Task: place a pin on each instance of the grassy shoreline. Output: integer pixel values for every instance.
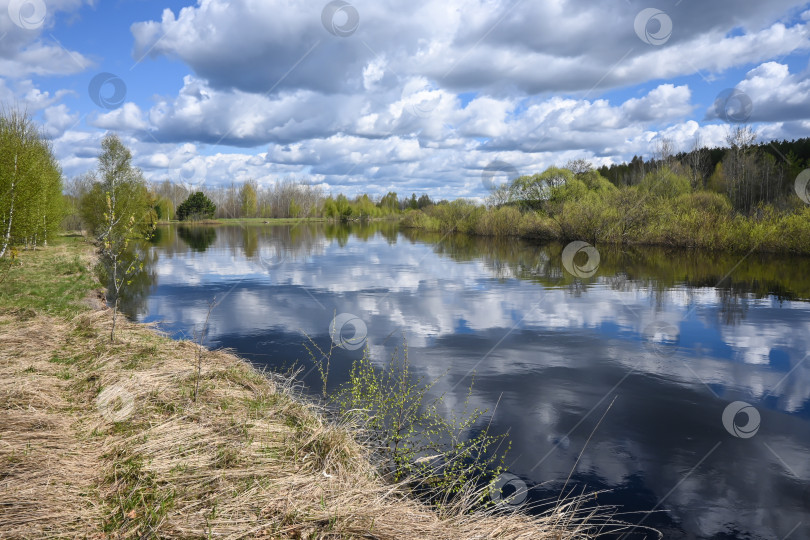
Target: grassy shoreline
(697, 220)
(270, 221)
(105, 440)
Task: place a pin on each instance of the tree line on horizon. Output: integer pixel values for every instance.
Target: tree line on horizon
(286, 198)
(749, 173)
(36, 200)
(739, 198)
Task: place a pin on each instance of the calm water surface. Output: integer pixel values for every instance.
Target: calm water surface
(674, 337)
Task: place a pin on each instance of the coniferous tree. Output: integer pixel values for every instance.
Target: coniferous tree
(196, 207)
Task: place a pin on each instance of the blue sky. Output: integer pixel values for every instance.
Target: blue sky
(404, 96)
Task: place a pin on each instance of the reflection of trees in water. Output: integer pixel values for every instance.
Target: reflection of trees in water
(654, 269)
(198, 238)
(295, 241)
(250, 241)
(362, 230)
(733, 305)
(290, 243)
(136, 290)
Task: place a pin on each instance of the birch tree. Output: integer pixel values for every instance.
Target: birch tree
(118, 210)
(31, 201)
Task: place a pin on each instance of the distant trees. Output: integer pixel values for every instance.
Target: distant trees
(287, 198)
(413, 203)
(31, 205)
(248, 200)
(751, 174)
(196, 207)
(164, 209)
(665, 183)
(554, 186)
(389, 203)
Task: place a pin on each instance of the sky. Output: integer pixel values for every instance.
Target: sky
(423, 96)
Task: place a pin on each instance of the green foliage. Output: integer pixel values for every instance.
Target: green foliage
(457, 216)
(164, 209)
(573, 190)
(249, 201)
(330, 208)
(665, 183)
(31, 201)
(552, 187)
(499, 221)
(344, 208)
(533, 191)
(596, 183)
(118, 210)
(416, 219)
(717, 181)
(196, 207)
(53, 280)
(440, 454)
(389, 203)
(295, 209)
(118, 202)
(661, 210)
(584, 218)
(364, 208)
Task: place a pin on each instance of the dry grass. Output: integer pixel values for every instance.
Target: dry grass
(105, 440)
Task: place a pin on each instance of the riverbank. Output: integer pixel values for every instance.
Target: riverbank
(274, 221)
(247, 221)
(624, 217)
(107, 440)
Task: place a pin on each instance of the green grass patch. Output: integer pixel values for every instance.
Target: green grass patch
(63, 360)
(142, 502)
(53, 279)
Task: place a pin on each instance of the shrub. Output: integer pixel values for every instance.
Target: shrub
(665, 183)
(504, 221)
(457, 216)
(441, 455)
(196, 207)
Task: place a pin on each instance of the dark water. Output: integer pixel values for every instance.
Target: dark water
(672, 338)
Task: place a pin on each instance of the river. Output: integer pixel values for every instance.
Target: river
(703, 356)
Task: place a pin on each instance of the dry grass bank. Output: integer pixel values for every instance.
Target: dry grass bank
(104, 440)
